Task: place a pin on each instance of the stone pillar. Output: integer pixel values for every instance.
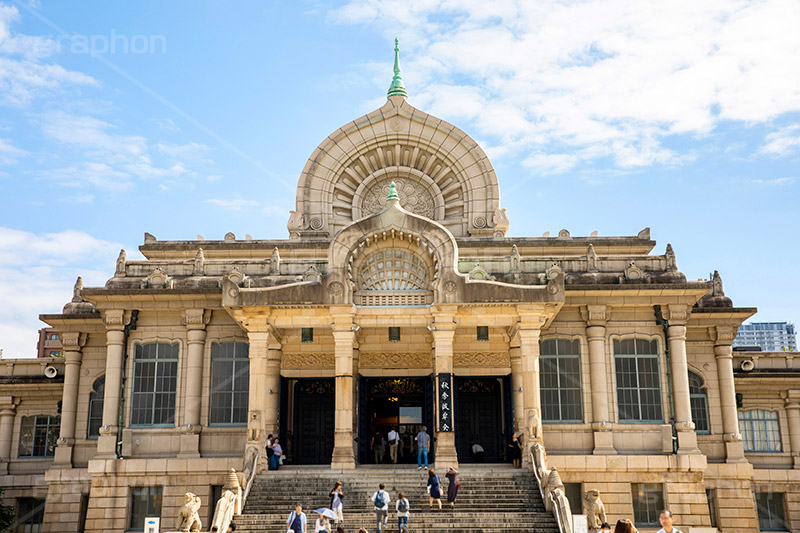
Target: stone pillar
(257, 416)
(273, 385)
(356, 357)
(516, 388)
(195, 321)
(114, 320)
(344, 337)
(792, 405)
(72, 343)
(734, 448)
(677, 315)
(531, 397)
(596, 317)
(443, 334)
(8, 410)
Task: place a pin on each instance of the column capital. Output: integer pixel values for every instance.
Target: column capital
(676, 332)
(595, 315)
(196, 318)
(677, 314)
(791, 399)
(722, 335)
(116, 319)
(73, 341)
(8, 404)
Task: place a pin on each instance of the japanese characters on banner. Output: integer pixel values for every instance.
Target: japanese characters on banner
(445, 402)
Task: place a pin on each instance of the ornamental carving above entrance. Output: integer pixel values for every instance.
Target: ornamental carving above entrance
(413, 197)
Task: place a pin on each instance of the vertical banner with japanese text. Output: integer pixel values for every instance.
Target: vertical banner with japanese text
(445, 402)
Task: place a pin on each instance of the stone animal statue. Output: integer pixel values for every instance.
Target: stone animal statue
(594, 509)
(188, 516)
(564, 511)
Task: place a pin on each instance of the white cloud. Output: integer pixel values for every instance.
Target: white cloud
(233, 204)
(23, 74)
(550, 163)
(602, 78)
(782, 142)
(37, 272)
(9, 153)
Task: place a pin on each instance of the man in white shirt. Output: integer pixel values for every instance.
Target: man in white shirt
(394, 440)
(666, 522)
(381, 502)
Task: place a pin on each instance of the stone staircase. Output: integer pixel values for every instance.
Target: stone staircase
(492, 498)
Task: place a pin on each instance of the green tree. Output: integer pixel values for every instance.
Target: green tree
(7, 514)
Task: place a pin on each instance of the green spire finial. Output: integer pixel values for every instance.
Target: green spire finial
(392, 193)
(397, 88)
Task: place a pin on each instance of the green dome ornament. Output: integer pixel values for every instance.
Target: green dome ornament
(392, 193)
(397, 88)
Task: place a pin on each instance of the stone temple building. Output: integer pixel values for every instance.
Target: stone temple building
(400, 299)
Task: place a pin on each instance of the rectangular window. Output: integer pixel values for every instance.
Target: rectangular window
(648, 501)
(560, 380)
(574, 495)
(230, 383)
(30, 515)
(155, 380)
(145, 501)
(771, 511)
(307, 335)
(483, 333)
(711, 497)
(760, 430)
(394, 334)
(38, 435)
(638, 380)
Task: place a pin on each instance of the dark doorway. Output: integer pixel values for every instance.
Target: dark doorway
(386, 403)
(479, 419)
(313, 421)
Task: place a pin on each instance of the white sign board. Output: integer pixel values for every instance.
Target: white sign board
(580, 524)
(152, 524)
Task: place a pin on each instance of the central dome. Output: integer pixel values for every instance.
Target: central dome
(440, 172)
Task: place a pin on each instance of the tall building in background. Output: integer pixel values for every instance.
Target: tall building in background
(768, 336)
(49, 344)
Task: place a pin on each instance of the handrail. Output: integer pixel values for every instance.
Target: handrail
(550, 496)
(250, 481)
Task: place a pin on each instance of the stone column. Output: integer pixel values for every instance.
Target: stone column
(443, 333)
(723, 338)
(516, 388)
(344, 337)
(72, 343)
(114, 320)
(679, 367)
(257, 416)
(531, 397)
(356, 357)
(792, 405)
(8, 410)
(596, 317)
(195, 321)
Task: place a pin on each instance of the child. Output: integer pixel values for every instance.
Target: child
(402, 512)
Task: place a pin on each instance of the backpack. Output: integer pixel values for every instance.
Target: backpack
(402, 505)
(380, 501)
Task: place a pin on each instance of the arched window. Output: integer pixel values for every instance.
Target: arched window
(560, 380)
(638, 380)
(155, 380)
(393, 275)
(96, 408)
(699, 402)
(760, 429)
(230, 383)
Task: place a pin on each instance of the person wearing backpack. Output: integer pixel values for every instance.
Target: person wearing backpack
(381, 502)
(402, 512)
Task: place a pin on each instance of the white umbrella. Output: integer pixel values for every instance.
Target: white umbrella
(324, 511)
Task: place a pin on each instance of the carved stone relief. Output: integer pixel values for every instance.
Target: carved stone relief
(307, 360)
(481, 359)
(395, 360)
(413, 197)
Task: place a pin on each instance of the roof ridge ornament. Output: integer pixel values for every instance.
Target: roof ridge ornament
(392, 193)
(397, 88)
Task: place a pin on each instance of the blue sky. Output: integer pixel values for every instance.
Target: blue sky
(184, 118)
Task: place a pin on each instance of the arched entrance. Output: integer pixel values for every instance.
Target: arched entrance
(479, 419)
